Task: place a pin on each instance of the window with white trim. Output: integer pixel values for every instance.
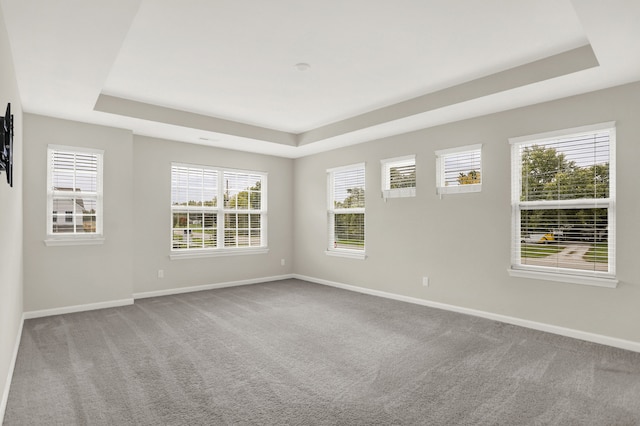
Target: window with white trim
(217, 210)
(399, 177)
(74, 194)
(563, 205)
(346, 210)
(459, 169)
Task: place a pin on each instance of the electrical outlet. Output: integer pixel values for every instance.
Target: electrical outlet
(425, 281)
(281, 262)
(160, 273)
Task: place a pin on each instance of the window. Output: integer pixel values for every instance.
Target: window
(217, 211)
(459, 170)
(563, 205)
(74, 195)
(399, 177)
(346, 211)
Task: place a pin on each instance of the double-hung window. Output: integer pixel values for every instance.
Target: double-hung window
(74, 195)
(459, 169)
(346, 211)
(563, 205)
(217, 211)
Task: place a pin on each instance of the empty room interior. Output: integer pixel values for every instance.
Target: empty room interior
(319, 212)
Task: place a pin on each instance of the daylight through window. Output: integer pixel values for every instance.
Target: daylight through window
(74, 192)
(399, 177)
(346, 210)
(563, 202)
(216, 209)
(459, 169)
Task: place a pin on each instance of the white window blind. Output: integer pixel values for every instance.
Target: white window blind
(399, 177)
(243, 219)
(194, 198)
(563, 202)
(74, 192)
(346, 213)
(217, 209)
(459, 169)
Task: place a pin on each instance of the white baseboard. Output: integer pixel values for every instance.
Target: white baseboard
(77, 308)
(180, 290)
(124, 302)
(568, 332)
(12, 365)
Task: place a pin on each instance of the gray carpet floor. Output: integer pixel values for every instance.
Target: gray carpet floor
(291, 352)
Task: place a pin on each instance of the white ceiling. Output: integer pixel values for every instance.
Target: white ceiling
(222, 73)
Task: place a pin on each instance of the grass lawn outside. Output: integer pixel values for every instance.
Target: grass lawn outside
(539, 250)
(598, 252)
(352, 244)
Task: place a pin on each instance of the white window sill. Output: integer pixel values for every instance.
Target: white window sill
(351, 254)
(196, 254)
(398, 193)
(459, 189)
(608, 282)
(76, 241)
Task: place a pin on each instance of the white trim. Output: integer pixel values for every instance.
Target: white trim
(220, 210)
(143, 295)
(350, 254)
(191, 254)
(398, 159)
(578, 203)
(75, 241)
(517, 269)
(69, 148)
(442, 152)
(99, 194)
(217, 168)
(385, 182)
(332, 211)
(613, 184)
(399, 192)
(181, 290)
(441, 188)
(78, 308)
(555, 134)
(348, 210)
(348, 167)
(608, 282)
(459, 189)
(12, 365)
(534, 325)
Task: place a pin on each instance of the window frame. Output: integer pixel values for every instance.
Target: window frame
(331, 212)
(86, 238)
(594, 278)
(386, 165)
(220, 210)
(441, 156)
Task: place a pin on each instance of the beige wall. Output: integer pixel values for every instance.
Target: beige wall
(462, 241)
(137, 220)
(152, 219)
(10, 222)
(64, 276)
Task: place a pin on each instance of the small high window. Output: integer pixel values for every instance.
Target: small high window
(459, 170)
(399, 177)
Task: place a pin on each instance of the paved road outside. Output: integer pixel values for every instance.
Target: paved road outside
(570, 257)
